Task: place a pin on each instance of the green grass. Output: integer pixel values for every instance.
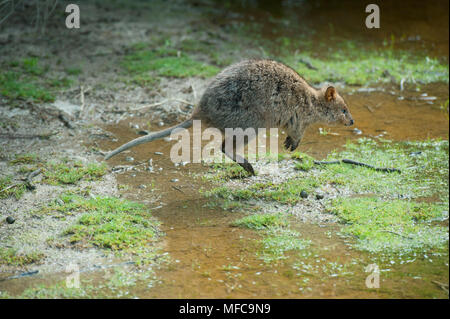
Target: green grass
(164, 61)
(15, 86)
(70, 173)
(304, 161)
(28, 79)
(286, 193)
(74, 71)
(369, 68)
(261, 221)
(392, 226)
(424, 168)
(10, 257)
(20, 159)
(277, 239)
(352, 62)
(109, 223)
(7, 191)
(226, 171)
(383, 223)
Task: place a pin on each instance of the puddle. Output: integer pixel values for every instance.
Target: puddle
(412, 27)
(212, 259)
(209, 258)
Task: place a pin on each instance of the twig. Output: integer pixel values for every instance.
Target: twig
(17, 136)
(308, 64)
(177, 188)
(369, 108)
(441, 285)
(162, 102)
(24, 274)
(395, 233)
(81, 101)
(27, 181)
(349, 161)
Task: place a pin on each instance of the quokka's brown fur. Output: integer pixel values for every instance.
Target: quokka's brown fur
(260, 94)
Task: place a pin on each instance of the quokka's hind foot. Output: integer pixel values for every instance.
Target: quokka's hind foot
(289, 144)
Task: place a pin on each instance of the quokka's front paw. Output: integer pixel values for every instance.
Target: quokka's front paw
(289, 144)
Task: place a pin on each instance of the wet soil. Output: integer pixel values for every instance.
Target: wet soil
(209, 257)
(212, 258)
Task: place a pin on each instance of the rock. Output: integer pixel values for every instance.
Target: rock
(174, 180)
(142, 186)
(319, 196)
(67, 107)
(158, 153)
(143, 132)
(10, 220)
(129, 159)
(357, 131)
(160, 123)
(303, 194)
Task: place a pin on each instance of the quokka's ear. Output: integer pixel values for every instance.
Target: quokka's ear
(330, 94)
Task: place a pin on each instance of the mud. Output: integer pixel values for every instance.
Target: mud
(209, 257)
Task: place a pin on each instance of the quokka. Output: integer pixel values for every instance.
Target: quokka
(260, 94)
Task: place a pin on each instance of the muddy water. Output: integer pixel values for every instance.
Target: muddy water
(210, 258)
(393, 115)
(411, 25)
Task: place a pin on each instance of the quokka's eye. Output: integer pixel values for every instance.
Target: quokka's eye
(344, 111)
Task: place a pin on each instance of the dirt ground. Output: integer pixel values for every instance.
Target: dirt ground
(100, 109)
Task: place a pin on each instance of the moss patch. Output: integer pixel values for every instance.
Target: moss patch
(24, 159)
(109, 223)
(287, 192)
(261, 221)
(8, 188)
(165, 61)
(385, 219)
(391, 226)
(424, 168)
(11, 258)
(277, 239)
(69, 173)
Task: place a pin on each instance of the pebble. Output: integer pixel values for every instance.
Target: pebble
(303, 194)
(159, 153)
(142, 186)
(357, 131)
(129, 159)
(161, 123)
(10, 220)
(174, 180)
(319, 196)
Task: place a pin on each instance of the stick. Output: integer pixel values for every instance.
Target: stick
(81, 101)
(395, 233)
(349, 161)
(17, 136)
(26, 182)
(162, 102)
(369, 108)
(308, 64)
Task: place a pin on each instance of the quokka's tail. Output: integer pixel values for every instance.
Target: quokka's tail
(148, 138)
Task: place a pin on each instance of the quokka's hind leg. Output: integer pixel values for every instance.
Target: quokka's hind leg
(236, 157)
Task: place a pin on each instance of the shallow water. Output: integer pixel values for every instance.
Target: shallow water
(212, 259)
